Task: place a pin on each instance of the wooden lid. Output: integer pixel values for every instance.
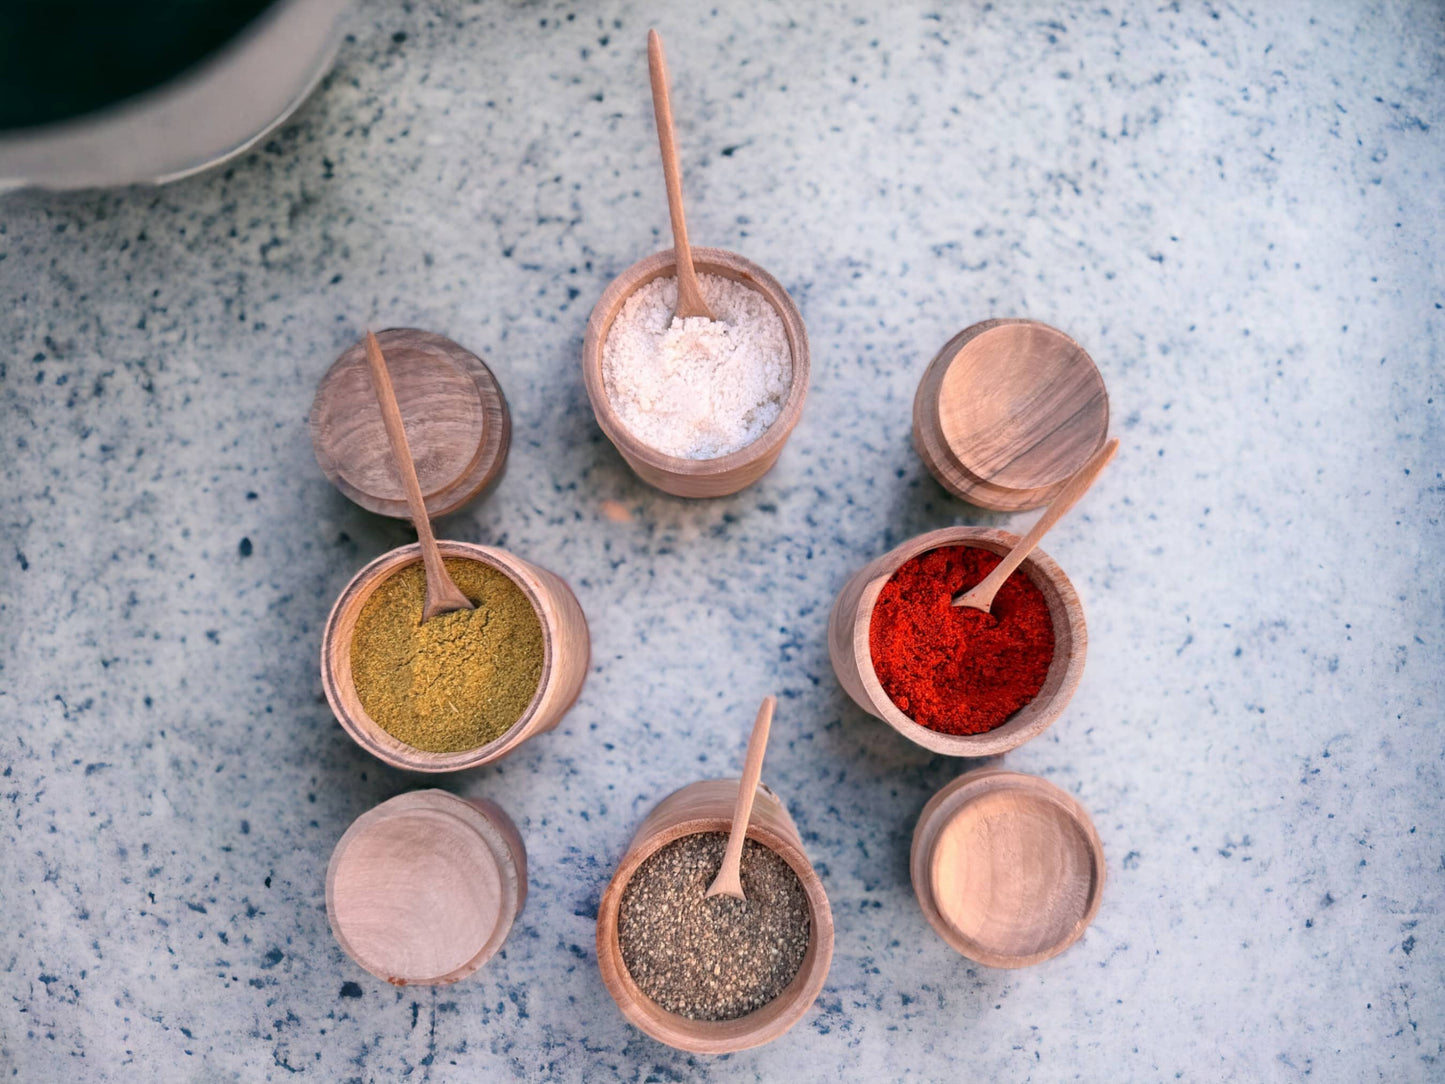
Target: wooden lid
(423, 888)
(1008, 868)
(1021, 405)
(455, 416)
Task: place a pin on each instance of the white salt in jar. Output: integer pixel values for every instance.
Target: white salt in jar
(698, 408)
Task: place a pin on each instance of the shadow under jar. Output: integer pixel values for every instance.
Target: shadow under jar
(850, 650)
(707, 806)
(566, 652)
(679, 476)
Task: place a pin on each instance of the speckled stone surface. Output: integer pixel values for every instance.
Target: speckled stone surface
(1236, 210)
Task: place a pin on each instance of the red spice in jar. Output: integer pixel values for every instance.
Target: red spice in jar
(951, 668)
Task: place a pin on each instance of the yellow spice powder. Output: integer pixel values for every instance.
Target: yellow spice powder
(461, 679)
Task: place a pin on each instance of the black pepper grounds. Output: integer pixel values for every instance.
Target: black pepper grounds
(719, 958)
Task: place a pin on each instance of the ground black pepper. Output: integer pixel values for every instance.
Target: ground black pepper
(719, 958)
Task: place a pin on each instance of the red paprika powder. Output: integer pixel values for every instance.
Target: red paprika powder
(951, 668)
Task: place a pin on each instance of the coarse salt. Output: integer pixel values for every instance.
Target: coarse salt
(697, 388)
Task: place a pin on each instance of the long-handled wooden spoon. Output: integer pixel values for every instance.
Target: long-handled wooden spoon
(729, 879)
(689, 292)
(981, 597)
(442, 594)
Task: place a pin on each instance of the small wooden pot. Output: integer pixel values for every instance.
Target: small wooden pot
(1007, 867)
(423, 889)
(673, 474)
(1007, 412)
(852, 658)
(566, 649)
(456, 419)
(707, 806)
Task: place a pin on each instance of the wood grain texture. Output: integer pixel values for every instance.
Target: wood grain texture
(707, 806)
(566, 655)
(456, 418)
(1007, 867)
(852, 616)
(424, 888)
(1007, 412)
(690, 301)
(673, 474)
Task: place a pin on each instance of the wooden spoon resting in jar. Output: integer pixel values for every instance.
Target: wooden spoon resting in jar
(689, 291)
(729, 879)
(981, 597)
(442, 594)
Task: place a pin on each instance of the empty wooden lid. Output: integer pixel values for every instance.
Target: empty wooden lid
(456, 421)
(423, 889)
(1008, 411)
(1007, 867)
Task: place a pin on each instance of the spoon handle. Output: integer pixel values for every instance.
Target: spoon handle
(981, 597)
(729, 879)
(442, 595)
(690, 301)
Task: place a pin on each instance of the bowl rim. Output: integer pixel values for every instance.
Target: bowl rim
(340, 690)
(713, 261)
(1070, 646)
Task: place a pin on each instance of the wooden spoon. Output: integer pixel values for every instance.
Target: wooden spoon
(729, 879)
(981, 597)
(442, 595)
(689, 292)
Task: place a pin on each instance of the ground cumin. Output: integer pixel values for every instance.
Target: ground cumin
(461, 679)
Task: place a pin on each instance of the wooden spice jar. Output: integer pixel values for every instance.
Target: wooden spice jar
(849, 649)
(674, 474)
(707, 806)
(1007, 412)
(423, 889)
(1007, 867)
(566, 648)
(456, 419)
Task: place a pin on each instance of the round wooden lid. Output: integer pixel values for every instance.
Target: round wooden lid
(1015, 868)
(1022, 406)
(456, 419)
(421, 889)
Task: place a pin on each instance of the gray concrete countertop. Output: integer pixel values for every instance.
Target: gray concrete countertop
(1236, 210)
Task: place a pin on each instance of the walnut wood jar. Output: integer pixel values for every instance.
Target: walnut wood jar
(707, 806)
(674, 474)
